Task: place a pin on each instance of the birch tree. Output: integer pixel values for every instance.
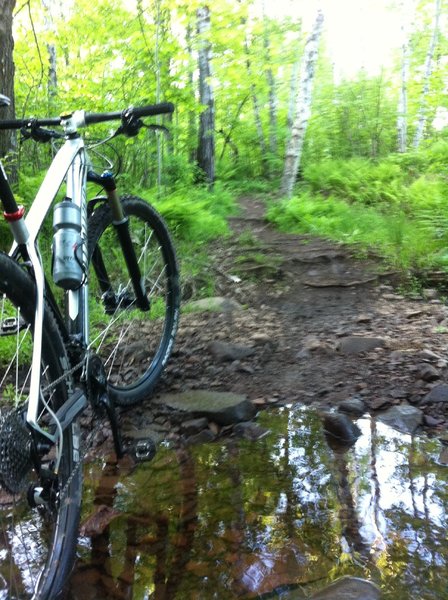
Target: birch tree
(206, 142)
(52, 83)
(402, 118)
(303, 108)
(7, 139)
(422, 111)
(255, 102)
(271, 85)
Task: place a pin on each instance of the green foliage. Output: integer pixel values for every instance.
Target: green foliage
(403, 241)
(195, 214)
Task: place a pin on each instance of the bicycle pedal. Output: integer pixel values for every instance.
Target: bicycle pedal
(143, 450)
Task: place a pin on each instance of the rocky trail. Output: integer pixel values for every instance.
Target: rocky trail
(302, 320)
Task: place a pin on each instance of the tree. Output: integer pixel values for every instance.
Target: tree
(402, 119)
(303, 111)
(7, 138)
(422, 116)
(206, 142)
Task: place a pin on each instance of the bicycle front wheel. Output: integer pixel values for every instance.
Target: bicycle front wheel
(37, 539)
(134, 345)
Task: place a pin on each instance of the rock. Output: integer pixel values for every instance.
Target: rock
(398, 393)
(427, 354)
(353, 406)
(250, 431)
(356, 344)
(349, 588)
(340, 427)
(192, 426)
(223, 408)
(223, 351)
(259, 338)
(432, 421)
(147, 432)
(202, 437)
(443, 456)
(363, 318)
(404, 418)
(214, 304)
(439, 393)
(427, 372)
(430, 293)
(379, 402)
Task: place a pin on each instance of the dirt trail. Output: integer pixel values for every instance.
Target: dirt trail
(318, 327)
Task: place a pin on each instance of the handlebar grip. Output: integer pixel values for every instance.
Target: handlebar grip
(12, 123)
(153, 109)
(19, 123)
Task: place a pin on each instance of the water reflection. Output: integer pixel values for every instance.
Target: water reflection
(241, 519)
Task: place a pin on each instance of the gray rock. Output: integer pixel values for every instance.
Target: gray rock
(154, 434)
(428, 372)
(404, 418)
(223, 351)
(202, 437)
(349, 588)
(355, 344)
(250, 431)
(192, 426)
(353, 406)
(439, 393)
(340, 428)
(223, 408)
(214, 304)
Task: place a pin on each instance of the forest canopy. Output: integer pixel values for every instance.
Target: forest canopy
(259, 93)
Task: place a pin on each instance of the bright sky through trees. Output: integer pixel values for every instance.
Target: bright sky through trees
(357, 33)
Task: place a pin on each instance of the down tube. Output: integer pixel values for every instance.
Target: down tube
(77, 305)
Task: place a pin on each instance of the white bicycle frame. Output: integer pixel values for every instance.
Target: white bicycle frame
(70, 165)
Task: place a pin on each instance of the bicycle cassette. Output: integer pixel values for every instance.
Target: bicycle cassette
(15, 451)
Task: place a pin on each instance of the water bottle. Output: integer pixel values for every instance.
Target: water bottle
(67, 267)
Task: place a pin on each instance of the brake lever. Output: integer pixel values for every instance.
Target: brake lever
(130, 125)
(38, 134)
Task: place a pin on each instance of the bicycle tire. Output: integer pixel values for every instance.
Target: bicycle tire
(37, 545)
(133, 365)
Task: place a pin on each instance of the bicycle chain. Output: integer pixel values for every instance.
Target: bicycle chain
(80, 463)
(91, 435)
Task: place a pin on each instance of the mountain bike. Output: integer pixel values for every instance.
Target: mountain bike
(93, 326)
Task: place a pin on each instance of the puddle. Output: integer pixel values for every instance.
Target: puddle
(278, 518)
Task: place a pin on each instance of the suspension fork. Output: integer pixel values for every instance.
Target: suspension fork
(121, 224)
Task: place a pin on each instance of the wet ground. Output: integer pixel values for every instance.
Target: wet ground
(278, 517)
(283, 515)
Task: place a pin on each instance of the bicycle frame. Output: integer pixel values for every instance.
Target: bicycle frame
(70, 164)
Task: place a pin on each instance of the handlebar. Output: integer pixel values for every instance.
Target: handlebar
(91, 118)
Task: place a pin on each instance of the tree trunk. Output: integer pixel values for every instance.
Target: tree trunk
(7, 138)
(303, 110)
(271, 86)
(402, 120)
(52, 81)
(293, 94)
(206, 145)
(422, 116)
(192, 121)
(256, 105)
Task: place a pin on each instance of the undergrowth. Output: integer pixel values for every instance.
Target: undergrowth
(397, 206)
